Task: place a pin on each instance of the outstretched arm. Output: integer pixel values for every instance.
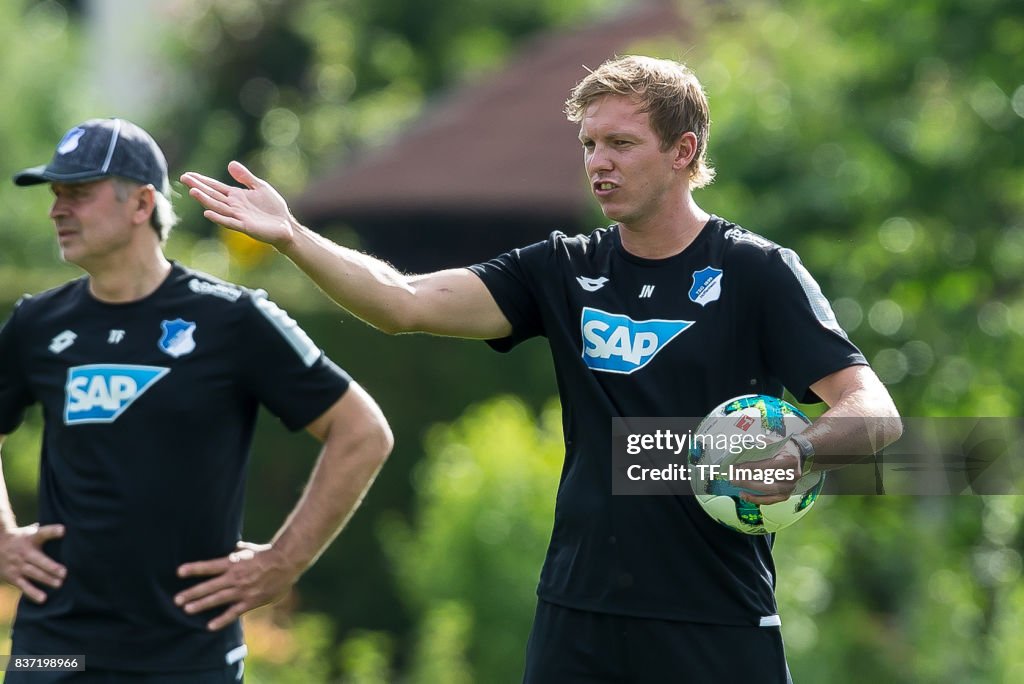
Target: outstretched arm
(356, 441)
(453, 302)
(22, 561)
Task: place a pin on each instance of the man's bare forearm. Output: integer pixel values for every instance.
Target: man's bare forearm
(351, 457)
(453, 302)
(7, 520)
(366, 287)
(861, 423)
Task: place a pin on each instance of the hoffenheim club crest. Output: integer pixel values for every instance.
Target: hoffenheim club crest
(707, 286)
(69, 142)
(177, 339)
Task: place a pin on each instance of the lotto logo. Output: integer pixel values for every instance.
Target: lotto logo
(617, 344)
(101, 393)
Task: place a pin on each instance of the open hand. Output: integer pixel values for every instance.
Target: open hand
(23, 563)
(257, 209)
(251, 576)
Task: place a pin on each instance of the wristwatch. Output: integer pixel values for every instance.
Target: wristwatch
(806, 449)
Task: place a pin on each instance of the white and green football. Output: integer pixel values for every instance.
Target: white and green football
(750, 419)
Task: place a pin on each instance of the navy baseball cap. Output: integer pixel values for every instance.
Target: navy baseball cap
(99, 148)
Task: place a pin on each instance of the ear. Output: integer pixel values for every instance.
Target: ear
(685, 150)
(144, 203)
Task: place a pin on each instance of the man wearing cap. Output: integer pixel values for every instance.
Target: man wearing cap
(150, 375)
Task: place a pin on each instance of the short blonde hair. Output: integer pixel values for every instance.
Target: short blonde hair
(666, 90)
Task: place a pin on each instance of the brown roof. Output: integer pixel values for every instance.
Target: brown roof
(497, 146)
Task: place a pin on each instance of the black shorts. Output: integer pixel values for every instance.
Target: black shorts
(228, 674)
(569, 646)
(223, 675)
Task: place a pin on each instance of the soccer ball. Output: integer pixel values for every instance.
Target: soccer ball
(748, 428)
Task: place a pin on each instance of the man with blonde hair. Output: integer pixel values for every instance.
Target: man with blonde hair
(667, 312)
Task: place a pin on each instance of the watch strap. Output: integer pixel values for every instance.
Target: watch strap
(804, 447)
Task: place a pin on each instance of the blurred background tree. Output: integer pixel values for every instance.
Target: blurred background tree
(485, 492)
(39, 41)
(881, 140)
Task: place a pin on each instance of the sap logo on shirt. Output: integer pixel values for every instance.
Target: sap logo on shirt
(617, 344)
(100, 393)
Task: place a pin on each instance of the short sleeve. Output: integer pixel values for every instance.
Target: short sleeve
(802, 340)
(15, 395)
(284, 369)
(512, 280)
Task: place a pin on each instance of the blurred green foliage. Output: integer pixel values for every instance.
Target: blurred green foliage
(880, 139)
(883, 141)
(292, 86)
(38, 42)
(484, 496)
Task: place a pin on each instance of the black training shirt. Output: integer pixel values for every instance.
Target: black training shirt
(732, 314)
(149, 408)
